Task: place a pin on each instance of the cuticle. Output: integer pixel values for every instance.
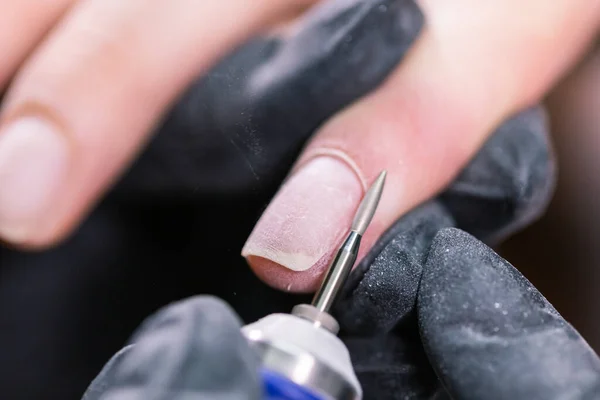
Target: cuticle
(339, 155)
(35, 109)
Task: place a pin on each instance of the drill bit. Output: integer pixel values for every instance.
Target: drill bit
(346, 256)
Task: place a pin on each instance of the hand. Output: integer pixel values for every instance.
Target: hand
(431, 313)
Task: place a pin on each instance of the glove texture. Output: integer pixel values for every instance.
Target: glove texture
(490, 334)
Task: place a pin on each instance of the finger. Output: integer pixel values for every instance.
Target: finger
(24, 23)
(81, 108)
(422, 125)
(510, 181)
(369, 24)
(490, 334)
(194, 348)
(271, 95)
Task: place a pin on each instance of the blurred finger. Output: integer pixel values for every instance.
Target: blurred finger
(84, 104)
(24, 23)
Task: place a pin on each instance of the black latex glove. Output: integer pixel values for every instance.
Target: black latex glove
(432, 313)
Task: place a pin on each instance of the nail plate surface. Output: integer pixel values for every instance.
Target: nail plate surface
(308, 217)
(33, 163)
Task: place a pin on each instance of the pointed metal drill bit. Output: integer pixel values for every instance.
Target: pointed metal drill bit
(345, 258)
(368, 205)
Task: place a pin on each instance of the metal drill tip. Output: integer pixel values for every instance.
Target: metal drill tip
(346, 256)
(367, 207)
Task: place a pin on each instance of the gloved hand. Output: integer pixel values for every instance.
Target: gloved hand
(435, 313)
(432, 313)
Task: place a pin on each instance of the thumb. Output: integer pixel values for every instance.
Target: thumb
(475, 64)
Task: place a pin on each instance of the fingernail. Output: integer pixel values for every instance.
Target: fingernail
(308, 217)
(33, 162)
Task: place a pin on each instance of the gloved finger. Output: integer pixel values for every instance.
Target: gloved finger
(490, 334)
(509, 182)
(239, 129)
(422, 126)
(192, 349)
(84, 103)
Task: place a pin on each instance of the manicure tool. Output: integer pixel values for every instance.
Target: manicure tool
(302, 356)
